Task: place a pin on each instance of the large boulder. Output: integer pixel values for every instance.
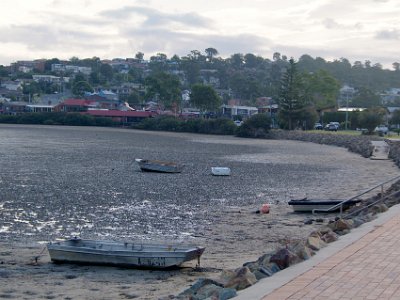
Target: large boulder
(301, 250)
(284, 258)
(341, 224)
(191, 292)
(315, 243)
(212, 291)
(238, 279)
(329, 237)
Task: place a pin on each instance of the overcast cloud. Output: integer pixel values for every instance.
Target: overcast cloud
(357, 30)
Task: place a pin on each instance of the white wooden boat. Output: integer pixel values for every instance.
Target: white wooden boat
(127, 254)
(308, 205)
(220, 171)
(147, 165)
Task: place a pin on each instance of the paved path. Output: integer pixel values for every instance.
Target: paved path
(364, 264)
(381, 150)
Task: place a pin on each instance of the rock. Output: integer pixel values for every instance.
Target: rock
(260, 275)
(357, 221)
(239, 279)
(197, 286)
(302, 250)
(330, 237)
(269, 269)
(342, 224)
(253, 266)
(308, 221)
(284, 258)
(215, 292)
(225, 294)
(379, 208)
(315, 243)
(264, 259)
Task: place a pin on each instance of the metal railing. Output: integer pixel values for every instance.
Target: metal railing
(341, 204)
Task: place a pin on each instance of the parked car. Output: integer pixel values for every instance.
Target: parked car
(318, 126)
(238, 122)
(332, 126)
(382, 129)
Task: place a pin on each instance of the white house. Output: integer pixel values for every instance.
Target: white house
(236, 110)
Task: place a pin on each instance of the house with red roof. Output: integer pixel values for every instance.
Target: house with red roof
(75, 105)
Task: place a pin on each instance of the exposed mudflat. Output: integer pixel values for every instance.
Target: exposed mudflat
(62, 181)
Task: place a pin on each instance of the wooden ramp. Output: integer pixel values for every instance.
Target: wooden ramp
(381, 150)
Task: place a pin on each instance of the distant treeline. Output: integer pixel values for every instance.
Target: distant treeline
(240, 76)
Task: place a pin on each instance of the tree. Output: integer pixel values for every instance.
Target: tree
(251, 60)
(366, 98)
(322, 89)
(237, 60)
(204, 97)
(211, 52)
(107, 72)
(395, 119)
(134, 99)
(80, 87)
(3, 71)
(49, 62)
(292, 98)
(139, 55)
(165, 88)
(276, 56)
(370, 118)
(257, 125)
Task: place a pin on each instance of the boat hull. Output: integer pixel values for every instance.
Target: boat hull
(121, 254)
(158, 166)
(220, 171)
(310, 205)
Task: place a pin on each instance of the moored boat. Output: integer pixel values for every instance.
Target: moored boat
(220, 171)
(126, 254)
(147, 165)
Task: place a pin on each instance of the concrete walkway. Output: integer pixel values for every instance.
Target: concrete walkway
(381, 150)
(364, 264)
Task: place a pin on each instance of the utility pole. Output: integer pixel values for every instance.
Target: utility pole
(347, 110)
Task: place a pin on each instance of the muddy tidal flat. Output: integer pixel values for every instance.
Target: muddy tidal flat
(58, 181)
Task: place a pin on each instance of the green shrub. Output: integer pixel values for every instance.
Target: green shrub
(56, 118)
(208, 126)
(256, 126)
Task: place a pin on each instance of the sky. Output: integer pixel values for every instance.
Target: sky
(358, 30)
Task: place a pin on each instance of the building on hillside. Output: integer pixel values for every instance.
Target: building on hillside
(75, 105)
(14, 107)
(122, 117)
(12, 85)
(104, 99)
(391, 96)
(28, 65)
(50, 79)
(12, 95)
(61, 68)
(39, 108)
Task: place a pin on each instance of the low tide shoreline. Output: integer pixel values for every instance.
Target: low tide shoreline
(47, 169)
